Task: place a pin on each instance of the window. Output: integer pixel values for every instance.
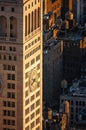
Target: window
(26, 93)
(4, 57)
(38, 57)
(37, 111)
(11, 76)
(27, 102)
(32, 116)
(4, 112)
(26, 111)
(9, 67)
(4, 48)
(4, 103)
(32, 98)
(38, 93)
(38, 128)
(13, 86)
(10, 58)
(32, 124)
(10, 95)
(27, 128)
(13, 122)
(12, 10)
(37, 103)
(2, 8)
(37, 120)
(13, 104)
(27, 120)
(14, 58)
(0, 47)
(11, 27)
(13, 68)
(4, 121)
(10, 86)
(32, 106)
(32, 61)
(38, 66)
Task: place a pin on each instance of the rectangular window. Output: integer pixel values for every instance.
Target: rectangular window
(32, 97)
(12, 10)
(0, 47)
(9, 67)
(32, 107)
(2, 8)
(37, 120)
(13, 76)
(32, 116)
(27, 102)
(37, 103)
(13, 68)
(4, 103)
(37, 111)
(38, 58)
(27, 120)
(26, 111)
(32, 124)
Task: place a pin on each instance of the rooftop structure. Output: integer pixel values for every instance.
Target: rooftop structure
(76, 96)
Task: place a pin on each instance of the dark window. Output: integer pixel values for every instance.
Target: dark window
(13, 104)
(4, 121)
(13, 76)
(12, 9)
(13, 68)
(4, 103)
(8, 95)
(4, 57)
(0, 47)
(9, 76)
(13, 95)
(11, 26)
(2, 8)
(10, 58)
(4, 112)
(13, 86)
(9, 85)
(4, 47)
(9, 67)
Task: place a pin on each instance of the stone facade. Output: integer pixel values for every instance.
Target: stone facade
(20, 58)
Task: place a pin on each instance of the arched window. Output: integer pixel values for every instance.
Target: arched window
(13, 27)
(3, 26)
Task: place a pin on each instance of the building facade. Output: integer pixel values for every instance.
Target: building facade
(76, 97)
(66, 6)
(52, 71)
(53, 6)
(20, 65)
(79, 9)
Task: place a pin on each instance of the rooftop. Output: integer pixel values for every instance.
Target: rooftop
(78, 88)
(75, 34)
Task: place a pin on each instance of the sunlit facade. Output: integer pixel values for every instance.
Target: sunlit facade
(20, 65)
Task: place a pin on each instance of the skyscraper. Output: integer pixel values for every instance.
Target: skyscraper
(20, 65)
